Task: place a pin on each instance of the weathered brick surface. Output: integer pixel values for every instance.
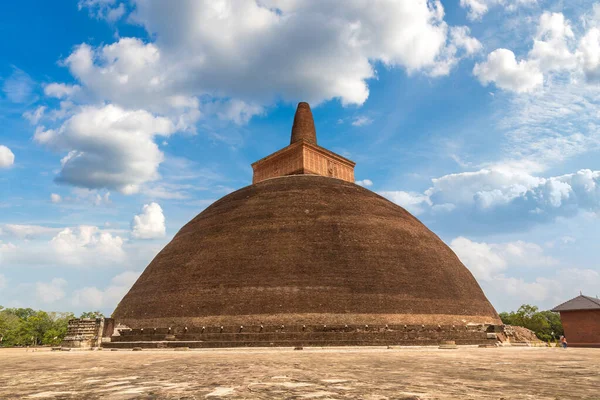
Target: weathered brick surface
(230, 336)
(581, 327)
(304, 250)
(303, 158)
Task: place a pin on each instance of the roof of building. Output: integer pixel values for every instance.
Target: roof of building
(580, 302)
(305, 249)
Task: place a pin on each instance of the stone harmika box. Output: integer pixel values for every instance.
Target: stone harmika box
(303, 158)
(303, 155)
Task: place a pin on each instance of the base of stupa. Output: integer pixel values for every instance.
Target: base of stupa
(303, 335)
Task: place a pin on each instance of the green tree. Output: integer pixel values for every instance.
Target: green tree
(24, 327)
(92, 314)
(545, 324)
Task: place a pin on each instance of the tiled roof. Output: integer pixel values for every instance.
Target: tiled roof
(580, 302)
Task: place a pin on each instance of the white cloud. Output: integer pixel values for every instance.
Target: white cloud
(248, 55)
(460, 45)
(489, 188)
(7, 158)
(18, 87)
(478, 8)
(553, 53)
(55, 198)
(364, 182)
(92, 196)
(551, 43)
(492, 264)
(506, 197)
(80, 247)
(108, 147)
(502, 68)
(28, 231)
(238, 111)
(486, 261)
(415, 203)
(60, 90)
(108, 298)
(362, 121)
(87, 245)
(483, 262)
(52, 291)
(150, 224)
(589, 47)
(108, 10)
(34, 116)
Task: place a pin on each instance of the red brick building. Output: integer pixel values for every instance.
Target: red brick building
(581, 321)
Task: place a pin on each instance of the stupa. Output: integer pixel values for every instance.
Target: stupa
(304, 256)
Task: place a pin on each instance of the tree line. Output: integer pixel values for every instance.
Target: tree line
(28, 327)
(545, 324)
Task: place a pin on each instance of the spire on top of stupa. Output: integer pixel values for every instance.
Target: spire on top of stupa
(303, 156)
(304, 125)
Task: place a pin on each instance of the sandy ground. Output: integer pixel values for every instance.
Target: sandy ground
(346, 373)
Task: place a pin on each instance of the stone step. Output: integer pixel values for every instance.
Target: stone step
(280, 343)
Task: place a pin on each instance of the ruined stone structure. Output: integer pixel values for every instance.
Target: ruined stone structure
(580, 317)
(304, 256)
(87, 333)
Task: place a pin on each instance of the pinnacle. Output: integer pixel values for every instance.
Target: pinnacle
(304, 125)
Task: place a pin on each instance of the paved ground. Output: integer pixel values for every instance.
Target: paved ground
(361, 373)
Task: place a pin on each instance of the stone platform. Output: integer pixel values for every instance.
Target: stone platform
(302, 335)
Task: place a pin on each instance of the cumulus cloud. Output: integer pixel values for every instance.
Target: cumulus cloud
(7, 158)
(108, 298)
(60, 90)
(108, 10)
(55, 198)
(490, 188)
(555, 51)
(150, 224)
(364, 182)
(478, 8)
(502, 68)
(28, 231)
(486, 261)
(87, 244)
(251, 54)
(82, 246)
(108, 147)
(550, 49)
(506, 198)
(480, 258)
(415, 203)
(589, 47)
(491, 264)
(79, 247)
(50, 292)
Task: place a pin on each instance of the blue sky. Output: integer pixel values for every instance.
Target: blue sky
(123, 120)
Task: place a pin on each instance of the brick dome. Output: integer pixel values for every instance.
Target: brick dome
(304, 249)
